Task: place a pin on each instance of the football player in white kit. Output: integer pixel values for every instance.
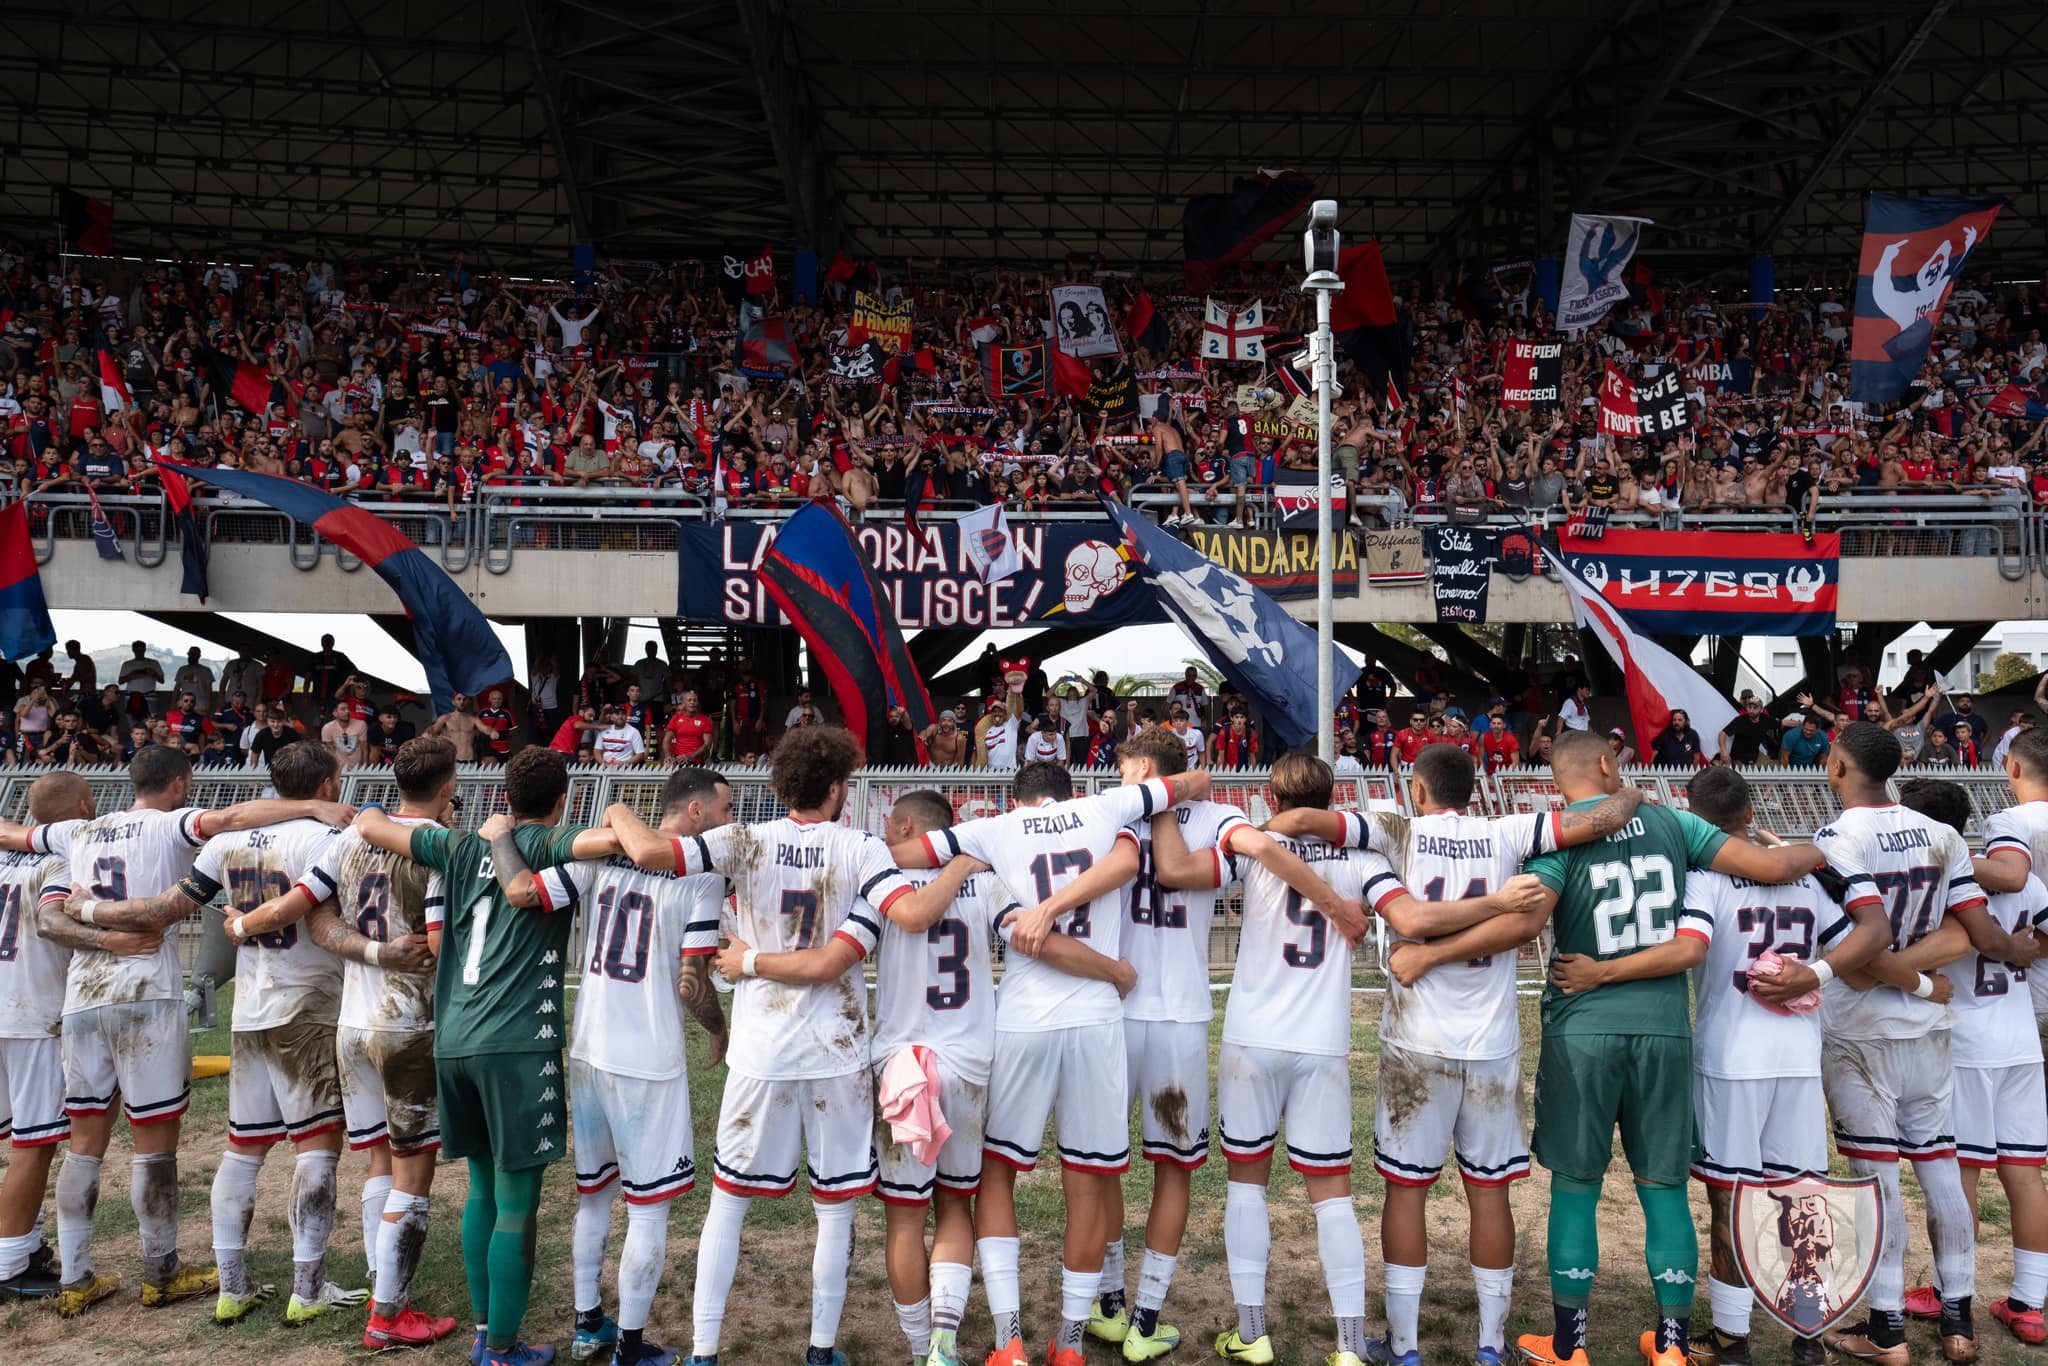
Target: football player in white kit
(2001, 1103)
(2016, 839)
(1059, 1047)
(125, 1029)
(629, 1090)
(1169, 894)
(797, 1051)
(384, 1045)
(283, 1082)
(36, 940)
(1886, 1059)
(1450, 1035)
(933, 991)
(1756, 1069)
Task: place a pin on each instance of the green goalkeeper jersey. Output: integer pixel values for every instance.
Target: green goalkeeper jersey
(498, 984)
(1618, 896)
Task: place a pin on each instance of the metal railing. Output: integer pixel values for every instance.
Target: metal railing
(503, 520)
(1789, 802)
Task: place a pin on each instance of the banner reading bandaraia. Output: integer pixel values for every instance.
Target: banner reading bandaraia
(1283, 566)
(1070, 574)
(1713, 583)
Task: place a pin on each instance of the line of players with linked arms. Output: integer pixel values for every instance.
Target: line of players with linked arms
(426, 967)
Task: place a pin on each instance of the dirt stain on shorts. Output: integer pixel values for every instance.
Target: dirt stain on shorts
(1404, 1087)
(1170, 1108)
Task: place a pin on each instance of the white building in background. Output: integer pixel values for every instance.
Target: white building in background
(1774, 660)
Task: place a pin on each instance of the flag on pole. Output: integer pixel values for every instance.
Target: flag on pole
(113, 389)
(25, 627)
(453, 640)
(1596, 253)
(1233, 333)
(191, 544)
(1913, 252)
(1658, 682)
(104, 538)
(88, 223)
(1266, 654)
(229, 378)
(816, 574)
(985, 535)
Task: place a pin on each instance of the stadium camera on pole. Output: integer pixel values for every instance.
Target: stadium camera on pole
(1319, 257)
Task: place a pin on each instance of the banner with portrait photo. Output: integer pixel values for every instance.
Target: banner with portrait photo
(1081, 325)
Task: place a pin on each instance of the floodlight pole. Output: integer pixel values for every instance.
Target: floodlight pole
(1322, 348)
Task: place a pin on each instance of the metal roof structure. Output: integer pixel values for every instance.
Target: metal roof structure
(1453, 132)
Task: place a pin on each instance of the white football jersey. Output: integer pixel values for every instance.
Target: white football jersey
(31, 967)
(282, 976)
(637, 927)
(1166, 929)
(1461, 1010)
(1734, 1036)
(2024, 826)
(1291, 989)
(1045, 748)
(935, 988)
(1035, 851)
(1994, 1011)
(1918, 870)
(1001, 740)
(382, 897)
(129, 854)
(798, 885)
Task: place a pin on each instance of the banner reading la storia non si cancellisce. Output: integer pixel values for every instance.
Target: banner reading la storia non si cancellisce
(1073, 574)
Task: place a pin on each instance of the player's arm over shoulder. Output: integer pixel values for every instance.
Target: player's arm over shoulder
(1708, 847)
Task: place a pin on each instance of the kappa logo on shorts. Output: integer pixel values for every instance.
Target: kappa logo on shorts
(546, 1007)
(549, 1070)
(1809, 1246)
(550, 958)
(547, 983)
(547, 1121)
(546, 1031)
(544, 1146)
(548, 1094)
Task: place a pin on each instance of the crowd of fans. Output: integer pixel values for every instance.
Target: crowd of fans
(652, 711)
(430, 383)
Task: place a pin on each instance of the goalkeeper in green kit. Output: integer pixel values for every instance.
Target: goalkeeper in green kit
(1617, 1040)
(499, 1028)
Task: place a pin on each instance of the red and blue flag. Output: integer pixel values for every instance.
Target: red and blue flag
(1700, 583)
(455, 643)
(1914, 250)
(25, 627)
(817, 575)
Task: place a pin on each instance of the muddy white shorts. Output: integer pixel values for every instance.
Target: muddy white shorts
(283, 1083)
(1167, 1067)
(139, 1050)
(1890, 1098)
(1078, 1078)
(765, 1127)
(635, 1130)
(1758, 1128)
(907, 1181)
(1260, 1090)
(2001, 1116)
(1470, 1107)
(387, 1088)
(32, 1092)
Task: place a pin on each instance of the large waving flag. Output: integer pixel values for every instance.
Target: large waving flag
(113, 389)
(816, 574)
(230, 378)
(1913, 251)
(1265, 653)
(25, 627)
(1659, 682)
(455, 644)
(1596, 256)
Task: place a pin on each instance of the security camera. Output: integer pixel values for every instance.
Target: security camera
(1319, 243)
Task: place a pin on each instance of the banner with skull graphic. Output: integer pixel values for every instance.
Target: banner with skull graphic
(1067, 574)
(1713, 583)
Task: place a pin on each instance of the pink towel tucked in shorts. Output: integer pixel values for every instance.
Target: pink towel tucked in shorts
(909, 1100)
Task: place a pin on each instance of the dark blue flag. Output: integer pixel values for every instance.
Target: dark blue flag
(104, 538)
(1265, 653)
(1913, 252)
(456, 645)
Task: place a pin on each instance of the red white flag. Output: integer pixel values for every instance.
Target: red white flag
(1659, 682)
(1618, 415)
(113, 389)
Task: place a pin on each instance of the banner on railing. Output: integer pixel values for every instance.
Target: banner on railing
(1070, 574)
(1713, 583)
(1281, 564)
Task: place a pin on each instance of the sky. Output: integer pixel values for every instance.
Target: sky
(1134, 649)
